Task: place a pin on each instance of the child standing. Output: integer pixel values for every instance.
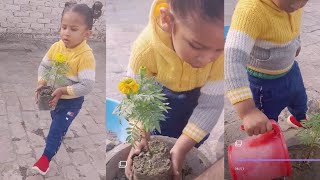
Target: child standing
(182, 47)
(261, 74)
(76, 25)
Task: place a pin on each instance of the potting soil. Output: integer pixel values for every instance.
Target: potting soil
(304, 171)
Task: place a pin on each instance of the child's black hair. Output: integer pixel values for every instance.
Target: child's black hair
(90, 14)
(206, 9)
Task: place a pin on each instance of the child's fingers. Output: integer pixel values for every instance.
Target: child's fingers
(131, 177)
(53, 102)
(140, 145)
(54, 94)
(249, 132)
(256, 131)
(175, 170)
(269, 126)
(263, 129)
(128, 168)
(36, 98)
(38, 88)
(137, 151)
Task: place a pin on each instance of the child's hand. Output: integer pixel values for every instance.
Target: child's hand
(256, 122)
(178, 154)
(56, 96)
(134, 152)
(37, 91)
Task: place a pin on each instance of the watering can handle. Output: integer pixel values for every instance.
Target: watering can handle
(275, 127)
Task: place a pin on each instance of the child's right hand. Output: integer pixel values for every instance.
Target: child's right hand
(134, 152)
(37, 92)
(256, 122)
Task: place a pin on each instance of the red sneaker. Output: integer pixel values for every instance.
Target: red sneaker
(293, 122)
(42, 165)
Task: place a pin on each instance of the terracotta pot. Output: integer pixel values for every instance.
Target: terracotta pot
(195, 159)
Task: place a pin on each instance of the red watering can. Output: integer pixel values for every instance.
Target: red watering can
(262, 157)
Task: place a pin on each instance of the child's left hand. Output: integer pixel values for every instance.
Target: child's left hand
(56, 96)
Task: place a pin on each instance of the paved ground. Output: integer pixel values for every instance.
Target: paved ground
(125, 20)
(309, 64)
(23, 128)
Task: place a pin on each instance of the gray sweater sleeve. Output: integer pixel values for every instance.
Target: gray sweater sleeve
(43, 68)
(86, 76)
(207, 112)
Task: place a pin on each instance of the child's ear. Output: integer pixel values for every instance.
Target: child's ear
(87, 34)
(166, 19)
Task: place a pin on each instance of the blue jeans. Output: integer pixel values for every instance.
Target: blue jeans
(182, 105)
(62, 117)
(271, 96)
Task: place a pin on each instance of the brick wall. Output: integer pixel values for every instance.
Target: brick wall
(40, 19)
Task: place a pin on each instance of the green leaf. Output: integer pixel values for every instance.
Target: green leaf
(157, 127)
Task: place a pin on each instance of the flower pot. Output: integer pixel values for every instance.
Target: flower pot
(153, 164)
(195, 160)
(44, 97)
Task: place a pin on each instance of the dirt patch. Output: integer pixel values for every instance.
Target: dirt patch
(23, 172)
(70, 150)
(15, 139)
(74, 133)
(186, 171)
(39, 132)
(153, 164)
(304, 170)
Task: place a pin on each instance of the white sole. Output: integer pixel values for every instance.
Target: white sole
(290, 123)
(39, 171)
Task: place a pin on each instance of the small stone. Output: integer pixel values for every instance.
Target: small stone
(109, 145)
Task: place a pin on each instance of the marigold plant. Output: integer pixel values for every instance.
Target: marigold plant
(143, 105)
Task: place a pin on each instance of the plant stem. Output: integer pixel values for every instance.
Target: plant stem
(149, 149)
(310, 151)
(55, 77)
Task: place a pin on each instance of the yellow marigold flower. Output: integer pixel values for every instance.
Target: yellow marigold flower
(60, 58)
(128, 86)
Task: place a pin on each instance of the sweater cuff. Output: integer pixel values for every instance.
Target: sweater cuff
(70, 91)
(240, 94)
(194, 132)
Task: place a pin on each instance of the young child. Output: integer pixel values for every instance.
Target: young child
(261, 74)
(182, 47)
(76, 25)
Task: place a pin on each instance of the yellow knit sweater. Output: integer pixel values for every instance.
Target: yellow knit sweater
(263, 41)
(80, 77)
(153, 49)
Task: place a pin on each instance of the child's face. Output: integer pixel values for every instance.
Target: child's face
(196, 41)
(73, 29)
(290, 5)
